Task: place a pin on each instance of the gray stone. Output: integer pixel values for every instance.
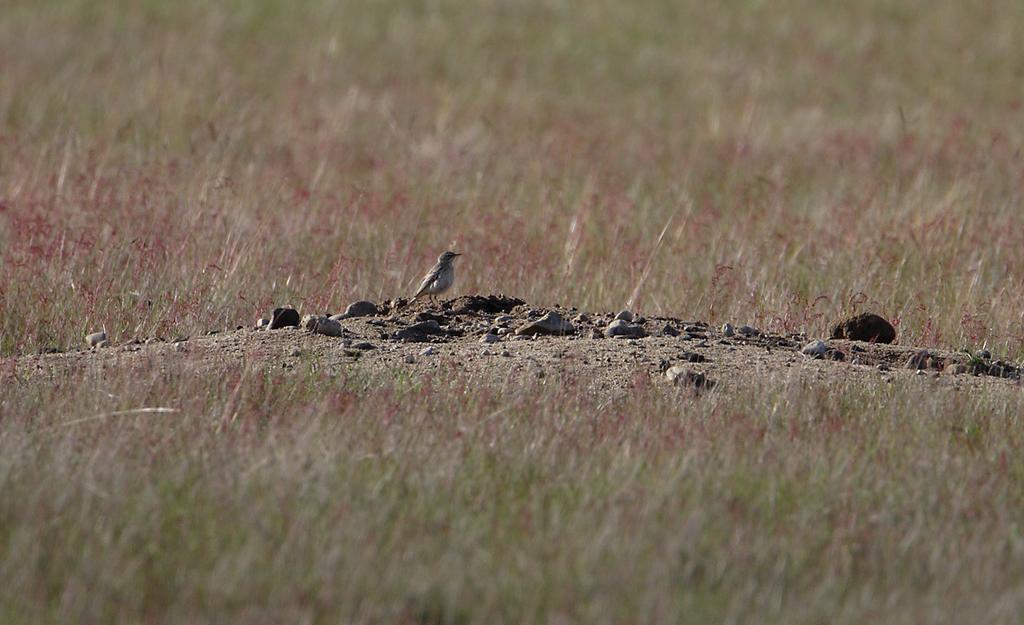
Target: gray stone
(551, 323)
(410, 359)
(748, 331)
(420, 332)
(670, 330)
(581, 318)
(427, 351)
(620, 327)
(319, 324)
(361, 308)
(816, 349)
(364, 345)
(728, 330)
(94, 339)
(490, 338)
(625, 315)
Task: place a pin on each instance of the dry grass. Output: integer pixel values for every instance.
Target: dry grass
(170, 171)
(309, 498)
(167, 168)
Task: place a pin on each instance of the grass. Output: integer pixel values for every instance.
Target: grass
(353, 500)
(186, 169)
(170, 168)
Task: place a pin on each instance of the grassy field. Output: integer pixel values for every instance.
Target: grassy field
(168, 168)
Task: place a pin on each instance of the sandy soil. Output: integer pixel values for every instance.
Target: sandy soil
(391, 341)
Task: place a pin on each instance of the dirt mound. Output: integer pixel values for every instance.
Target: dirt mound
(477, 335)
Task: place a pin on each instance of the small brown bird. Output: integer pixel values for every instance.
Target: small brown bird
(440, 277)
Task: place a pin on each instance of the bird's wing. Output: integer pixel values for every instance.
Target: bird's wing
(427, 279)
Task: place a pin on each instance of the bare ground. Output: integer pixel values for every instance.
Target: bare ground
(390, 344)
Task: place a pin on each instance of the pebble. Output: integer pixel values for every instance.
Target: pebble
(581, 318)
(362, 308)
(503, 319)
(427, 351)
(816, 349)
(551, 323)
(748, 331)
(94, 339)
(670, 330)
(625, 315)
(506, 354)
(410, 359)
(322, 325)
(295, 353)
(728, 330)
(364, 345)
(490, 338)
(621, 327)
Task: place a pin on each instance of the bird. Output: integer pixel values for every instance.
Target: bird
(440, 277)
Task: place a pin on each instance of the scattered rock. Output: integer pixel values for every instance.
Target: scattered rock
(681, 375)
(503, 320)
(748, 331)
(295, 353)
(551, 323)
(490, 338)
(624, 315)
(362, 308)
(621, 327)
(409, 359)
(320, 324)
(284, 318)
(581, 318)
(426, 315)
(815, 349)
(727, 330)
(94, 339)
(883, 367)
(694, 357)
(364, 346)
(427, 351)
(670, 330)
(984, 354)
(420, 332)
(867, 327)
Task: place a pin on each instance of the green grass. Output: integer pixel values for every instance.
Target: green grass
(170, 168)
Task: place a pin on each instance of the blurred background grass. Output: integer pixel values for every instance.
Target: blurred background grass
(176, 167)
